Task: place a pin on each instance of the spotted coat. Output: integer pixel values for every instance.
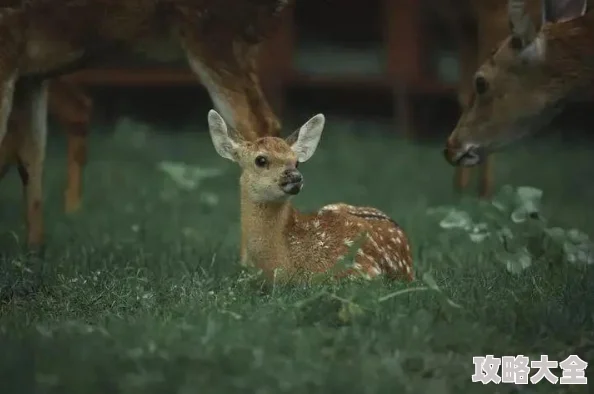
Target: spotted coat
(285, 243)
(375, 241)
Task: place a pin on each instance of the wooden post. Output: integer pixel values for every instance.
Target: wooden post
(403, 47)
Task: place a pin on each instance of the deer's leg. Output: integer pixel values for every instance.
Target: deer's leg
(486, 178)
(227, 69)
(461, 178)
(4, 162)
(7, 84)
(31, 155)
(12, 27)
(72, 108)
(77, 158)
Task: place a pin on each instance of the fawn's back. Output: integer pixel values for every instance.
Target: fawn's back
(377, 244)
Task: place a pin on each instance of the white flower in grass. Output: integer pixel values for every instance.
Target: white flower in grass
(518, 261)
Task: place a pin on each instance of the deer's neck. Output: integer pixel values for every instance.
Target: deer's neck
(570, 57)
(264, 229)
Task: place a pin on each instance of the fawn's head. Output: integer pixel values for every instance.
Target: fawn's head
(518, 86)
(269, 164)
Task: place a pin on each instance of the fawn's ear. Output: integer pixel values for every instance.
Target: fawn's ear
(556, 11)
(305, 140)
(224, 145)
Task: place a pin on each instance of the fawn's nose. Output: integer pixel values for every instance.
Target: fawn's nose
(292, 176)
(291, 181)
(465, 155)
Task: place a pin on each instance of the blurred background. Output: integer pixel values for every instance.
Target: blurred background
(387, 73)
(399, 60)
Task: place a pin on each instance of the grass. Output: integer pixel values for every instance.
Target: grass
(140, 291)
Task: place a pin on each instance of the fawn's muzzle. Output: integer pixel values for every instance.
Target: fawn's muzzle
(291, 181)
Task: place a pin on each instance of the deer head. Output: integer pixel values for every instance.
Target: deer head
(269, 164)
(523, 82)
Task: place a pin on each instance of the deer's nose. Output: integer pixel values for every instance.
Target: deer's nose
(292, 175)
(465, 155)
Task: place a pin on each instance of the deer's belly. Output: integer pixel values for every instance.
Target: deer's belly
(159, 48)
(44, 55)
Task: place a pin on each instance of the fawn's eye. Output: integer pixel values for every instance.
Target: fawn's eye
(296, 164)
(481, 85)
(261, 161)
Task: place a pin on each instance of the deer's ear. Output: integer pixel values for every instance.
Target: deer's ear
(224, 145)
(555, 11)
(305, 140)
(535, 52)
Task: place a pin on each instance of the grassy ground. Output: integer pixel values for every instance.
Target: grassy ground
(141, 290)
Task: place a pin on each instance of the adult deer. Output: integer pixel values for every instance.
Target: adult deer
(492, 26)
(527, 80)
(42, 38)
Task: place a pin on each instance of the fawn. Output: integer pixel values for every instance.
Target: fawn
(275, 236)
(46, 38)
(526, 80)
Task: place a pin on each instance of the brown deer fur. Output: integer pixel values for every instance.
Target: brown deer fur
(492, 26)
(288, 245)
(527, 79)
(39, 38)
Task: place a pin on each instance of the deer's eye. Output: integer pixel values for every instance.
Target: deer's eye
(481, 85)
(297, 164)
(261, 161)
(516, 43)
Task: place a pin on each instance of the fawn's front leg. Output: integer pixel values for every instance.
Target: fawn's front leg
(228, 70)
(31, 97)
